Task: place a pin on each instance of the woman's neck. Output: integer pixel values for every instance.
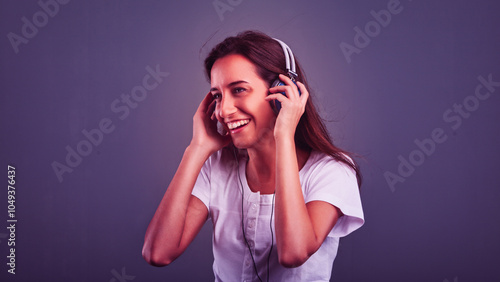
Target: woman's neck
(261, 167)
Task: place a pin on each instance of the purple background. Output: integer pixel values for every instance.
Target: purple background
(440, 224)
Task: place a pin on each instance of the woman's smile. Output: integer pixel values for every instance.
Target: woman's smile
(233, 125)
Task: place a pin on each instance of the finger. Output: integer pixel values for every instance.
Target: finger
(304, 93)
(205, 103)
(211, 108)
(294, 90)
(285, 79)
(280, 97)
(280, 88)
(288, 90)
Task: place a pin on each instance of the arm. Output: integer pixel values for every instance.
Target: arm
(300, 228)
(180, 215)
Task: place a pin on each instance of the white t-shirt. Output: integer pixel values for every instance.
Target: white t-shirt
(219, 187)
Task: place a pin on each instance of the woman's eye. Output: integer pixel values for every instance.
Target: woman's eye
(238, 90)
(216, 96)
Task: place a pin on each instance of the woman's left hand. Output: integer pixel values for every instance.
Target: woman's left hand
(292, 106)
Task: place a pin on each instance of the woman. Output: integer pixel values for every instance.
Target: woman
(278, 192)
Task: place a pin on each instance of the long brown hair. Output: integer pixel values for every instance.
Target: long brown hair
(268, 57)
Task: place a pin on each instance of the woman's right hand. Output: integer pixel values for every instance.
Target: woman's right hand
(205, 133)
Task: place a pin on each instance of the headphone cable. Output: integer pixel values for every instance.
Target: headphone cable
(243, 227)
(242, 221)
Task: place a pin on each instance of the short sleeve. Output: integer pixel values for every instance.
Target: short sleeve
(336, 183)
(201, 189)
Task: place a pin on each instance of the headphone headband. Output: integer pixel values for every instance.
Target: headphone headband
(289, 59)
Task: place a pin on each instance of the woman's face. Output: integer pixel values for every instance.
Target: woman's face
(241, 108)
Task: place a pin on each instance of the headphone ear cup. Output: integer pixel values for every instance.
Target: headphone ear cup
(276, 105)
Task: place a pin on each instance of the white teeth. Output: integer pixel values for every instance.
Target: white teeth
(233, 125)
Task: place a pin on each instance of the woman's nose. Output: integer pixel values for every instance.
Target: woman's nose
(226, 106)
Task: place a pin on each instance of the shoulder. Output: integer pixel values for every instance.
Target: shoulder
(222, 161)
(324, 174)
(222, 156)
(322, 162)
(332, 181)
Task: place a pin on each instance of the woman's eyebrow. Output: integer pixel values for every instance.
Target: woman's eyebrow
(230, 84)
(236, 82)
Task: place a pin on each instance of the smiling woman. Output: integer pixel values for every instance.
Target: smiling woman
(278, 192)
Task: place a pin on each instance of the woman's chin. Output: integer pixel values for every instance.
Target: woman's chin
(240, 145)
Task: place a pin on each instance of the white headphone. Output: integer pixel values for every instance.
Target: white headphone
(289, 59)
(290, 69)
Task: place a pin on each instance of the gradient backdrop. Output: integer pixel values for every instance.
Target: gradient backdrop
(412, 87)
